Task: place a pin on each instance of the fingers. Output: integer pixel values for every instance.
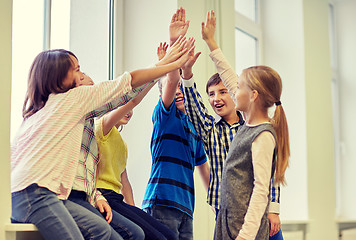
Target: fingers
(211, 19)
(183, 14)
(108, 215)
(181, 40)
(179, 15)
(274, 229)
(165, 46)
(196, 56)
(101, 208)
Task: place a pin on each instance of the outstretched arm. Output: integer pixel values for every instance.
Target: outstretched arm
(226, 72)
(111, 119)
(176, 56)
(169, 88)
(187, 68)
(208, 30)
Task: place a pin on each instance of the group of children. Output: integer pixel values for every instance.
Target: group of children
(68, 159)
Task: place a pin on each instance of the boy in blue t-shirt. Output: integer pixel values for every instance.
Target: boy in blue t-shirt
(176, 149)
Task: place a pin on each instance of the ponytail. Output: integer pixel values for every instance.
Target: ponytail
(281, 128)
(268, 83)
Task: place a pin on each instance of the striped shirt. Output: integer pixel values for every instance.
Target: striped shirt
(46, 148)
(176, 149)
(216, 133)
(89, 156)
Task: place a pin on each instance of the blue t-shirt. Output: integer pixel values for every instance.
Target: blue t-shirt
(176, 149)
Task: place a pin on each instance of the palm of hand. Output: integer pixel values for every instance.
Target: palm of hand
(177, 29)
(191, 60)
(208, 31)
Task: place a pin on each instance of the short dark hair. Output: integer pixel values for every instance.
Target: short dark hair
(213, 80)
(46, 76)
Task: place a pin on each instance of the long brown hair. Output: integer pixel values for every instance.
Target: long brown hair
(268, 84)
(46, 76)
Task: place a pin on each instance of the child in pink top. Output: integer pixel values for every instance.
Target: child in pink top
(45, 151)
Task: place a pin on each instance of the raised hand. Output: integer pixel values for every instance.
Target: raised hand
(208, 30)
(161, 50)
(178, 26)
(187, 72)
(189, 45)
(175, 51)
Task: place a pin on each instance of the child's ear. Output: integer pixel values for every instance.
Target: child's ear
(254, 95)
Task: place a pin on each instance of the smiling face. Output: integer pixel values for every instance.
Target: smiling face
(179, 100)
(74, 74)
(86, 80)
(220, 100)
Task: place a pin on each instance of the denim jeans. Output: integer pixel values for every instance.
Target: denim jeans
(277, 236)
(56, 219)
(152, 228)
(120, 225)
(179, 222)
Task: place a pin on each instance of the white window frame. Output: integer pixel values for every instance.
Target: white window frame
(252, 28)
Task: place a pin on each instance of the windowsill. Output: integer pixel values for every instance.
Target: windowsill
(20, 227)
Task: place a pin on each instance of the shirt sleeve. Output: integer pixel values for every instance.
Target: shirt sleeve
(162, 114)
(99, 133)
(196, 110)
(98, 196)
(262, 157)
(200, 154)
(117, 102)
(226, 72)
(274, 206)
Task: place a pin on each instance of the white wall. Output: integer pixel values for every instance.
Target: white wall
(283, 44)
(141, 39)
(143, 31)
(345, 42)
(320, 142)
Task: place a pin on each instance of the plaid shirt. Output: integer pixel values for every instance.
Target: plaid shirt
(217, 136)
(89, 156)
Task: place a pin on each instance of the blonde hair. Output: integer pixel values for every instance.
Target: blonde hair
(268, 84)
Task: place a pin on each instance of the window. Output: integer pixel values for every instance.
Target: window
(247, 8)
(81, 26)
(27, 42)
(248, 34)
(245, 50)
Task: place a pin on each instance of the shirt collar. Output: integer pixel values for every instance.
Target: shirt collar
(218, 119)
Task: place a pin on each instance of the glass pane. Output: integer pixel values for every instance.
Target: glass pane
(245, 50)
(27, 42)
(246, 8)
(60, 24)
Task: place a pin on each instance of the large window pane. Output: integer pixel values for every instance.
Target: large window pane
(247, 8)
(27, 42)
(246, 50)
(60, 24)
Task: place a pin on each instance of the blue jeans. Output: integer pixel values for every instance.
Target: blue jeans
(56, 219)
(153, 229)
(179, 222)
(123, 226)
(277, 236)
